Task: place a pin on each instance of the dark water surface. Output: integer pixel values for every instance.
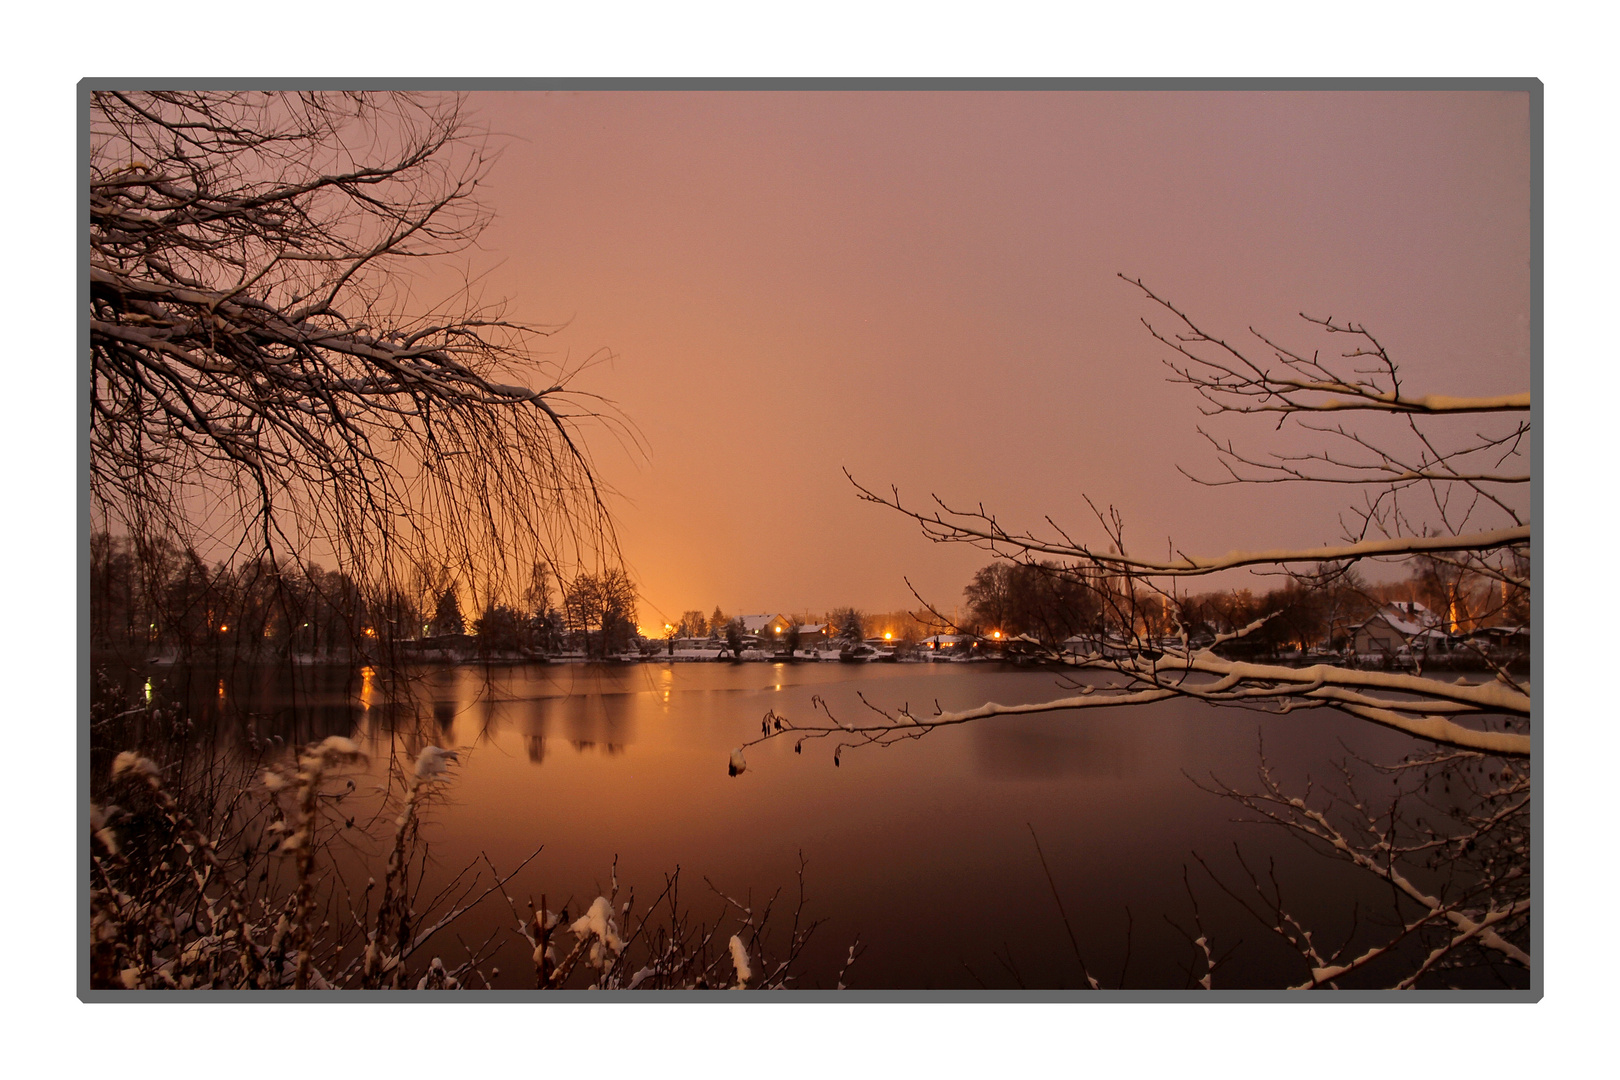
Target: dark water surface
(923, 850)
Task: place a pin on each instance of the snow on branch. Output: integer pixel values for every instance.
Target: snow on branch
(981, 528)
(255, 340)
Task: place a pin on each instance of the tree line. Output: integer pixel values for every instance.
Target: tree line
(166, 598)
(1315, 609)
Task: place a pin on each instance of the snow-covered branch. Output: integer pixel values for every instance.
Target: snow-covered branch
(254, 339)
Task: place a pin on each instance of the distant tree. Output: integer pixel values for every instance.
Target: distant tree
(989, 597)
(549, 631)
(693, 625)
(847, 623)
(447, 615)
(501, 629)
(537, 594)
(734, 637)
(395, 616)
(260, 377)
(602, 609)
(717, 622)
(790, 640)
(1039, 599)
(1343, 601)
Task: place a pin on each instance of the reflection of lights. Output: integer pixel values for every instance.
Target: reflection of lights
(222, 688)
(223, 628)
(148, 689)
(367, 687)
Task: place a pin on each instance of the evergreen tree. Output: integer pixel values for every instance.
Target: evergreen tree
(447, 617)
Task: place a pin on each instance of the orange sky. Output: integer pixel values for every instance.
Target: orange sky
(921, 287)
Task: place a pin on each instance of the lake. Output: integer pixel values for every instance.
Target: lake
(922, 850)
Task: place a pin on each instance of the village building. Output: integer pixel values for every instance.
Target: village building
(1403, 625)
(765, 627)
(1502, 637)
(813, 635)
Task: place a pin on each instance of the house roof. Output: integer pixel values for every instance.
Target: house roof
(755, 623)
(1401, 626)
(1411, 612)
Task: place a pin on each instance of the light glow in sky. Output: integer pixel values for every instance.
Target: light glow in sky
(921, 287)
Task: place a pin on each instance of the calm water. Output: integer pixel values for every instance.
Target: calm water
(922, 849)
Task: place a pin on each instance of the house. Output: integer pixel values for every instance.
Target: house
(1413, 612)
(1111, 647)
(1082, 645)
(1502, 637)
(765, 627)
(1399, 626)
(812, 635)
(945, 643)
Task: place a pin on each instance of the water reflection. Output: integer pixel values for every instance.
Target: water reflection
(922, 844)
(597, 721)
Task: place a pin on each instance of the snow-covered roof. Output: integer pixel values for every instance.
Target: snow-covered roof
(812, 628)
(1401, 626)
(1410, 612)
(755, 623)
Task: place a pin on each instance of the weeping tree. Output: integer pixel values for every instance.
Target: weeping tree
(1441, 489)
(265, 381)
(282, 425)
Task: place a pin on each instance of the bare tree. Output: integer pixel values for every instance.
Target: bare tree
(601, 609)
(264, 380)
(1441, 483)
